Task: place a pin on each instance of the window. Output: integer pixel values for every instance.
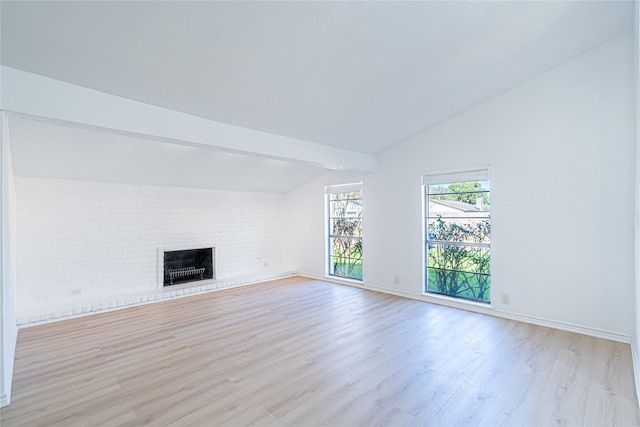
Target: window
(344, 203)
(458, 235)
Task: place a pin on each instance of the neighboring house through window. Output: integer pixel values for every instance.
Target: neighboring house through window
(344, 230)
(458, 234)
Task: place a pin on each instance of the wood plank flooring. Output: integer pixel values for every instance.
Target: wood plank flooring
(299, 352)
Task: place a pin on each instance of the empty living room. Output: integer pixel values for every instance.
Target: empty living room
(372, 213)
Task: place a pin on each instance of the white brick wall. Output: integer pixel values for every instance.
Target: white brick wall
(79, 241)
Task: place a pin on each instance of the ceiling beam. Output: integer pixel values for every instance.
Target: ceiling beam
(39, 96)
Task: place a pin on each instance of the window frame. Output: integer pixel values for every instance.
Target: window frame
(445, 178)
(329, 229)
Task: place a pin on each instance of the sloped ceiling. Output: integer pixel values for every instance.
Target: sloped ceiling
(355, 75)
(50, 150)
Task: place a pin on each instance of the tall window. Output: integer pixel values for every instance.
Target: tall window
(458, 235)
(344, 203)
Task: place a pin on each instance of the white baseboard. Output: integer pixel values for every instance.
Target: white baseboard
(84, 308)
(4, 400)
(334, 279)
(60, 313)
(485, 309)
(566, 326)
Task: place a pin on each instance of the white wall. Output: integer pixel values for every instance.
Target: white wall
(9, 331)
(636, 340)
(561, 142)
(81, 240)
(306, 208)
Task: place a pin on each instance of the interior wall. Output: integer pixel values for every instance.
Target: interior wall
(306, 236)
(80, 240)
(560, 148)
(636, 340)
(4, 400)
(9, 330)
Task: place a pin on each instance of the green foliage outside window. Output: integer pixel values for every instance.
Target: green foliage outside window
(345, 222)
(458, 240)
(459, 270)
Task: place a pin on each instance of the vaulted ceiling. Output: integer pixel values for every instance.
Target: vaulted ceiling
(360, 76)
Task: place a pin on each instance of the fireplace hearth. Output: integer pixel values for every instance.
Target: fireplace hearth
(188, 265)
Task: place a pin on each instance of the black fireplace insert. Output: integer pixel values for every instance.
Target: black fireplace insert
(188, 265)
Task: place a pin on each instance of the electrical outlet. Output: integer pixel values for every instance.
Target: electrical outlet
(506, 299)
(76, 291)
(396, 280)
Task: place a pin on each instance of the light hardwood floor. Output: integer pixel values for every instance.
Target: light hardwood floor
(299, 352)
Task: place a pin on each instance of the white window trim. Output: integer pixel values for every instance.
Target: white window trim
(437, 176)
(477, 169)
(352, 187)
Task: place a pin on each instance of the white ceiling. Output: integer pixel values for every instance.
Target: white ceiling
(360, 76)
(356, 75)
(49, 150)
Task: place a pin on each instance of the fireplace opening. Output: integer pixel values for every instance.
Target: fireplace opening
(188, 265)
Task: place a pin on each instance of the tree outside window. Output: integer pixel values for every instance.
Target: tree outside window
(345, 232)
(458, 240)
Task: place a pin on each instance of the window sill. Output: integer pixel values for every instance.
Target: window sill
(345, 280)
(452, 301)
